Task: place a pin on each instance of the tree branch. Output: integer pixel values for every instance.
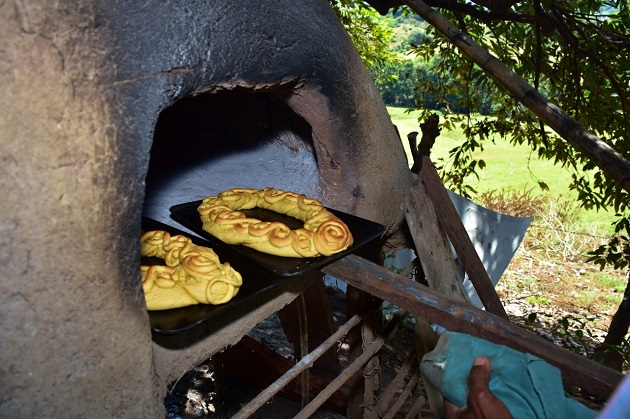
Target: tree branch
(496, 5)
(570, 37)
(494, 13)
(585, 141)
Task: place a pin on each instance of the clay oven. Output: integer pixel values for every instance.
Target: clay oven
(115, 109)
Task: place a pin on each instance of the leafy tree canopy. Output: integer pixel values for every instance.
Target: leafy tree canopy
(370, 34)
(576, 53)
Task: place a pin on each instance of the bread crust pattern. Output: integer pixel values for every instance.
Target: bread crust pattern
(323, 233)
(192, 275)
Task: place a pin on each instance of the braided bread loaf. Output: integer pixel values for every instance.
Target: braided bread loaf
(192, 275)
(323, 233)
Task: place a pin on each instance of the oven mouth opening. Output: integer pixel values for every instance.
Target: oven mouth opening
(217, 140)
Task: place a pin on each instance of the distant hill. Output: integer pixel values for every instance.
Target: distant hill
(407, 30)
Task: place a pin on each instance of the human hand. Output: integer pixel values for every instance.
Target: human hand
(481, 402)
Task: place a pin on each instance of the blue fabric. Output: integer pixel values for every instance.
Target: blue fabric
(529, 386)
(618, 406)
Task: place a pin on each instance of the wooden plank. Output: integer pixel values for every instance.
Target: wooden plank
(431, 244)
(444, 310)
(450, 222)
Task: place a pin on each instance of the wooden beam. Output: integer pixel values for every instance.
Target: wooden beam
(431, 244)
(455, 316)
(320, 323)
(598, 151)
(451, 222)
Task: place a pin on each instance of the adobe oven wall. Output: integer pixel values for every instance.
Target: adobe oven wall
(83, 83)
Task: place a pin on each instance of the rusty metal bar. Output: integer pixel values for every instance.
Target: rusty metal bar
(296, 370)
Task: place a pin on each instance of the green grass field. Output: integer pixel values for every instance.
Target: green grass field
(508, 167)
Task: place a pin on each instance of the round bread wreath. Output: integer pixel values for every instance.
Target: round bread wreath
(193, 274)
(323, 233)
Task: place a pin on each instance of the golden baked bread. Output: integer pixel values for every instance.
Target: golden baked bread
(323, 233)
(192, 275)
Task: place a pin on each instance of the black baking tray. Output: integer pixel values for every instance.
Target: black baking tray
(363, 231)
(255, 286)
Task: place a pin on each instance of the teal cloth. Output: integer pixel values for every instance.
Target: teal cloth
(527, 385)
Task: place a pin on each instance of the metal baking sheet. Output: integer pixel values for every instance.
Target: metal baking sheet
(256, 286)
(363, 232)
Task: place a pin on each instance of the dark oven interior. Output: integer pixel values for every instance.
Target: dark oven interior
(207, 143)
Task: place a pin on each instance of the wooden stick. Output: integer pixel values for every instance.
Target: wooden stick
(413, 382)
(603, 155)
(464, 318)
(372, 348)
(301, 304)
(397, 382)
(306, 362)
(258, 365)
(451, 222)
(414, 411)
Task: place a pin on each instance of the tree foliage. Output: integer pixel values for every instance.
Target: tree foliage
(577, 54)
(574, 52)
(370, 34)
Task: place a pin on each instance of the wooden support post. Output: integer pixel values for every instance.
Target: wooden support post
(431, 244)
(450, 222)
(359, 302)
(319, 322)
(370, 351)
(366, 305)
(437, 263)
(446, 311)
(371, 373)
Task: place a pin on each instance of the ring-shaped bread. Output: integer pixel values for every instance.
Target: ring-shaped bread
(193, 274)
(323, 233)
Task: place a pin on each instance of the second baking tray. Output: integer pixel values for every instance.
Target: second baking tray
(363, 232)
(255, 290)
